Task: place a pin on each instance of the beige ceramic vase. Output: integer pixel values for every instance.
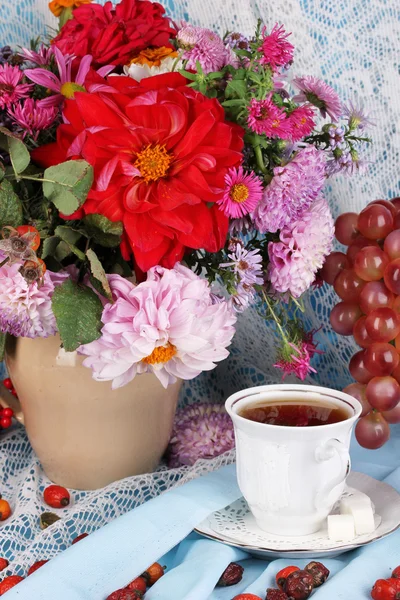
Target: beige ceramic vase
(85, 434)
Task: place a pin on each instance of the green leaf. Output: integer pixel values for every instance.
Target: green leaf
(78, 311)
(2, 345)
(49, 246)
(2, 171)
(19, 153)
(234, 102)
(10, 206)
(103, 231)
(70, 237)
(99, 274)
(236, 87)
(67, 185)
(191, 76)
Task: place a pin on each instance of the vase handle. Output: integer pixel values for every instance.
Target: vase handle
(7, 400)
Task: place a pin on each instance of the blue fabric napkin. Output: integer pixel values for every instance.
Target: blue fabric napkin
(114, 555)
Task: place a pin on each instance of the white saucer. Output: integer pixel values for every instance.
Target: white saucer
(234, 525)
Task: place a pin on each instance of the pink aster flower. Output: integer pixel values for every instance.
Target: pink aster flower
(268, 119)
(301, 251)
(32, 117)
(167, 325)
(242, 193)
(204, 46)
(25, 309)
(320, 94)
(275, 48)
(201, 431)
(297, 363)
(41, 58)
(302, 122)
(11, 88)
(292, 190)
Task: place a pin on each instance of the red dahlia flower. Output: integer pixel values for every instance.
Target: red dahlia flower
(115, 35)
(160, 152)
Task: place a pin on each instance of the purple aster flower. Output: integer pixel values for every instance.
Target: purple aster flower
(301, 251)
(11, 88)
(242, 225)
(336, 137)
(292, 190)
(41, 58)
(266, 118)
(246, 264)
(320, 94)
(237, 40)
(201, 431)
(357, 117)
(32, 117)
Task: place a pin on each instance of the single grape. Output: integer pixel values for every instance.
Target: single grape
(387, 205)
(357, 390)
(334, 263)
(391, 244)
(357, 368)
(383, 393)
(346, 228)
(382, 324)
(381, 358)
(375, 222)
(375, 295)
(343, 317)
(396, 222)
(396, 373)
(396, 203)
(359, 243)
(348, 285)
(360, 333)
(370, 263)
(392, 416)
(372, 431)
(396, 304)
(392, 276)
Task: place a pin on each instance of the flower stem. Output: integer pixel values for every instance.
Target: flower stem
(274, 316)
(259, 159)
(4, 261)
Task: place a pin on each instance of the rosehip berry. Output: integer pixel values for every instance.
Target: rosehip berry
(318, 572)
(276, 595)
(56, 496)
(8, 583)
(283, 574)
(125, 594)
(5, 422)
(7, 412)
(246, 597)
(386, 589)
(139, 585)
(5, 510)
(8, 383)
(3, 564)
(14, 393)
(35, 235)
(396, 573)
(36, 565)
(231, 576)
(153, 573)
(79, 538)
(299, 585)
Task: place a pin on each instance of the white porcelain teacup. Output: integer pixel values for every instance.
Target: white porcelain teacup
(292, 476)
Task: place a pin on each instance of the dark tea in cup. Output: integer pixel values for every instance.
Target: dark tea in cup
(295, 414)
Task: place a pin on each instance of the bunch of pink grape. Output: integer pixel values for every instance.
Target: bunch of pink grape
(367, 280)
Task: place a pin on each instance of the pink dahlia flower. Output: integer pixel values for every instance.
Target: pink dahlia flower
(302, 122)
(320, 94)
(11, 88)
(292, 190)
(204, 46)
(301, 251)
(243, 191)
(275, 48)
(201, 431)
(167, 325)
(268, 119)
(32, 117)
(25, 310)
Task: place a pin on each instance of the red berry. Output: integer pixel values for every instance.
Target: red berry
(299, 585)
(8, 413)
(153, 573)
(9, 582)
(8, 383)
(14, 393)
(5, 422)
(386, 589)
(276, 595)
(56, 496)
(396, 573)
(283, 574)
(125, 594)
(3, 564)
(318, 572)
(36, 566)
(231, 576)
(79, 538)
(139, 585)
(246, 597)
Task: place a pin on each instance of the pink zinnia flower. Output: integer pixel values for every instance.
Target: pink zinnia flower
(301, 251)
(11, 90)
(242, 193)
(320, 94)
(32, 117)
(302, 122)
(276, 50)
(205, 46)
(25, 309)
(298, 363)
(268, 119)
(167, 325)
(292, 190)
(201, 431)
(42, 57)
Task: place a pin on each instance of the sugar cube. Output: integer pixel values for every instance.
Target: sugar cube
(341, 528)
(360, 508)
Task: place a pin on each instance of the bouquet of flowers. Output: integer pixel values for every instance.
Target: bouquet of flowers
(156, 179)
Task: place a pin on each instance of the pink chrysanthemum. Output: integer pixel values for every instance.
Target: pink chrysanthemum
(298, 363)
(292, 190)
(276, 50)
(268, 119)
(25, 310)
(41, 58)
(11, 88)
(167, 325)
(243, 191)
(320, 94)
(302, 122)
(32, 117)
(204, 46)
(301, 251)
(201, 431)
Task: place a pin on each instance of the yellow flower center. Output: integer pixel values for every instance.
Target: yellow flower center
(153, 57)
(69, 88)
(162, 354)
(153, 162)
(239, 193)
(276, 123)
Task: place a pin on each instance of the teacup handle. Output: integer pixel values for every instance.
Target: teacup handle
(325, 452)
